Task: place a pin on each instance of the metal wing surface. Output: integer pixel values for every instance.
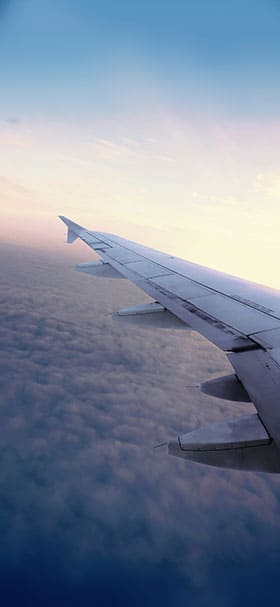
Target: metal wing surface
(241, 318)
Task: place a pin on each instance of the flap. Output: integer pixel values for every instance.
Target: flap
(244, 431)
(240, 443)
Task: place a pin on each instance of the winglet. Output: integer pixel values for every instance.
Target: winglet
(74, 229)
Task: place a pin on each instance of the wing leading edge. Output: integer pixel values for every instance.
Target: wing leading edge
(241, 318)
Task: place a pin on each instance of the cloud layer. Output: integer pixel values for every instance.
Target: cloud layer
(89, 512)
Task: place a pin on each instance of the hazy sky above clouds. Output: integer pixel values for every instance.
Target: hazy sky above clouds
(156, 120)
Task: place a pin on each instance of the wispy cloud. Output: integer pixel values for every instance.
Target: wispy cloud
(13, 120)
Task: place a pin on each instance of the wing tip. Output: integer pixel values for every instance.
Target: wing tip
(72, 229)
(64, 219)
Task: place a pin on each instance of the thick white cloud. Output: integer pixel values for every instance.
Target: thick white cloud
(83, 402)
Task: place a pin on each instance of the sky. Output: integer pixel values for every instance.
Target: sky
(90, 513)
(158, 121)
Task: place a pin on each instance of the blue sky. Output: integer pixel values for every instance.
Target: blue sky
(74, 57)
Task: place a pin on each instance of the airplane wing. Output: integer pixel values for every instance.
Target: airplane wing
(241, 318)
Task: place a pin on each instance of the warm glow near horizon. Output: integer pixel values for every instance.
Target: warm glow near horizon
(188, 165)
